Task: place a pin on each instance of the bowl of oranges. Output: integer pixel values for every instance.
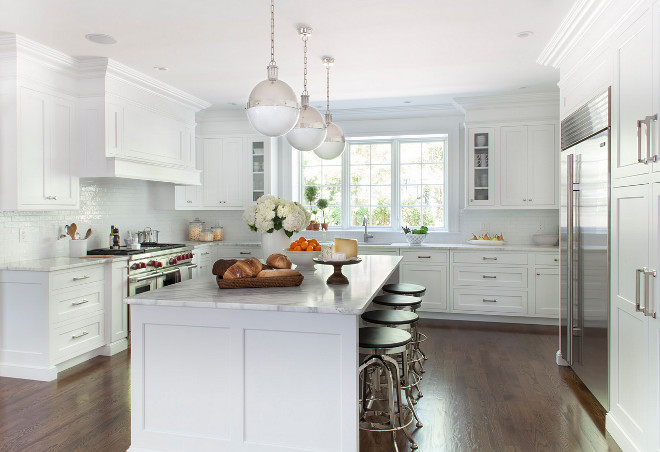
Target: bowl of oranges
(302, 251)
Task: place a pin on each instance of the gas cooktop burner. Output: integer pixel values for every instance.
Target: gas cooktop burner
(145, 248)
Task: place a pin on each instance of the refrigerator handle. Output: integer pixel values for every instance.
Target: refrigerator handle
(638, 276)
(639, 142)
(647, 308)
(649, 120)
(569, 258)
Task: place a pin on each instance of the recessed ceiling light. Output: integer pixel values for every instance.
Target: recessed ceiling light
(524, 34)
(101, 38)
(161, 68)
(407, 101)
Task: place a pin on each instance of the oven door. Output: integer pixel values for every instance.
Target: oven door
(171, 276)
(144, 283)
(187, 272)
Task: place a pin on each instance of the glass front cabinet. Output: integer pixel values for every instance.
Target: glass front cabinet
(481, 162)
(257, 165)
(263, 167)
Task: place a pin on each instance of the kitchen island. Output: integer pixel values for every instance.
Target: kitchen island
(269, 369)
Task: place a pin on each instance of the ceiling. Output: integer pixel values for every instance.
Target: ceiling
(388, 52)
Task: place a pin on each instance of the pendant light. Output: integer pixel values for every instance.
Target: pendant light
(334, 142)
(309, 132)
(272, 107)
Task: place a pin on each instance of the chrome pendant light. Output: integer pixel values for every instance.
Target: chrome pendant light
(309, 132)
(272, 107)
(334, 142)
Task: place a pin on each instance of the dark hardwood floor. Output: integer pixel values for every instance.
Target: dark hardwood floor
(487, 387)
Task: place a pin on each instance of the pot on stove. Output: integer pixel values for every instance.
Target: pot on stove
(147, 235)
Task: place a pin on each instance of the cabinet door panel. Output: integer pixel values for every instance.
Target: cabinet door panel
(654, 326)
(546, 292)
(33, 146)
(434, 278)
(542, 162)
(234, 172)
(212, 173)
(628, 328)
(60, 161)
(481, 161)
(632, 99)
(513, 166)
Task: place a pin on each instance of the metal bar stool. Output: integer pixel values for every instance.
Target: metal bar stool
(377, 412)
(413, 290)
(404, 320)
(406, 303)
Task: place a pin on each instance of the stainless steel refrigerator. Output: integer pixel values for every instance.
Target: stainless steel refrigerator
(584, 244)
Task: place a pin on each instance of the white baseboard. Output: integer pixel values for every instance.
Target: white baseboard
(28, 372)
(115, 347)
(488, 318)
(619, 435)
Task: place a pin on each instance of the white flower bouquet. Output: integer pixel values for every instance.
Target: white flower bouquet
(271, 214)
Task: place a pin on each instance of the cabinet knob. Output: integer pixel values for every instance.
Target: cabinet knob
(530, 200)
(525, 199)
(54, 198)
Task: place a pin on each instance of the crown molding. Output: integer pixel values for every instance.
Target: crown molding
(580, 18)
(396, 112)
(544, 99)
(14, 45)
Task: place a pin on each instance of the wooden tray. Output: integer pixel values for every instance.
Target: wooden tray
(274, 281)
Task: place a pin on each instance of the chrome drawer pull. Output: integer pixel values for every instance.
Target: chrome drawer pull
(489, 276)
(84, 333)
(53, 198)
(423, 257)
(76, 303)
(245, 252)
(486, 300)
(489, 258)
(80, 278)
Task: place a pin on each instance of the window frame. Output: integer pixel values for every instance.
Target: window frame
(396, 141)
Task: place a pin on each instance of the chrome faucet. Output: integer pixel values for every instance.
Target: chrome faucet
(367, 236)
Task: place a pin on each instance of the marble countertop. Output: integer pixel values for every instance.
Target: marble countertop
(313, 295)
(469, 246)
(220, 243)
(57, 263)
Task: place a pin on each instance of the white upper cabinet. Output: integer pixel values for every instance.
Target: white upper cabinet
(136, 127)
(520, 171)
(39, 146)
(633, 109)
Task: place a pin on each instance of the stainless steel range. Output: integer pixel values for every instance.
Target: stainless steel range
(154, 266)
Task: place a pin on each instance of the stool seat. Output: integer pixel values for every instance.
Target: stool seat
(405, 289)
(390, 317)
(383, 337)
(396, 301)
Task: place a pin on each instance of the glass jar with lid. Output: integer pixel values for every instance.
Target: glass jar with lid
(217, 233)
(206, 235)
(195, 229)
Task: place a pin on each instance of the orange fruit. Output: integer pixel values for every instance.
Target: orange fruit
(317, 248)
(292, 246)
(297, 248)
(304, 245)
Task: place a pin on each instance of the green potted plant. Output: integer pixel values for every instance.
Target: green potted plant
(311, 193)
(322, 204)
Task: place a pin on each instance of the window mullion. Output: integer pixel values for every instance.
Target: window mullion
(346, 188)
(396, 188)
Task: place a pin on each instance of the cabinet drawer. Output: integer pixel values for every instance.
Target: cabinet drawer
(489, 302)
(490, 276)
(76, 303)
(239, 252)
(77, 277)
(78, 337)
(425, 256)
(485, 257)
(547, 259)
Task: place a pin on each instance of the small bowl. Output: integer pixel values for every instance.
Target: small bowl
(545, 239)
(415, 239)
(302, 259)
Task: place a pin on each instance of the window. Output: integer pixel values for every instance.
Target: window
(393, 182)
(327, 176)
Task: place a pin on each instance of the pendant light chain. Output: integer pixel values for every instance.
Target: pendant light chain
(304, 38)
(327, 94)
(272, 33)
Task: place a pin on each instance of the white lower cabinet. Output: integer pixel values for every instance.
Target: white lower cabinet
(116, 318)
(52, 320)
(428, 268)
(546, 285)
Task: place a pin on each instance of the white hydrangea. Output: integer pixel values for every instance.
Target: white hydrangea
(269, 210)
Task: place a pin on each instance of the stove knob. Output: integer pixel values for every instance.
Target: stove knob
(173, 261)
(181, 257)
(159, 264)
(135, 266)
(190, 255)
(142, 265)
(151, 263)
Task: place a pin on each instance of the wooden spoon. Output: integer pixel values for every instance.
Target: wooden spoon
(88, 234)
(72, 230)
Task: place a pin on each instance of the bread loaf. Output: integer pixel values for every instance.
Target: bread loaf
(240, 269)
(279, 272)
(254, 263)
(278, 260)
(221, 265)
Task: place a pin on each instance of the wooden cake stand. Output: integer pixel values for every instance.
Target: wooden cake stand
(337, 277)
